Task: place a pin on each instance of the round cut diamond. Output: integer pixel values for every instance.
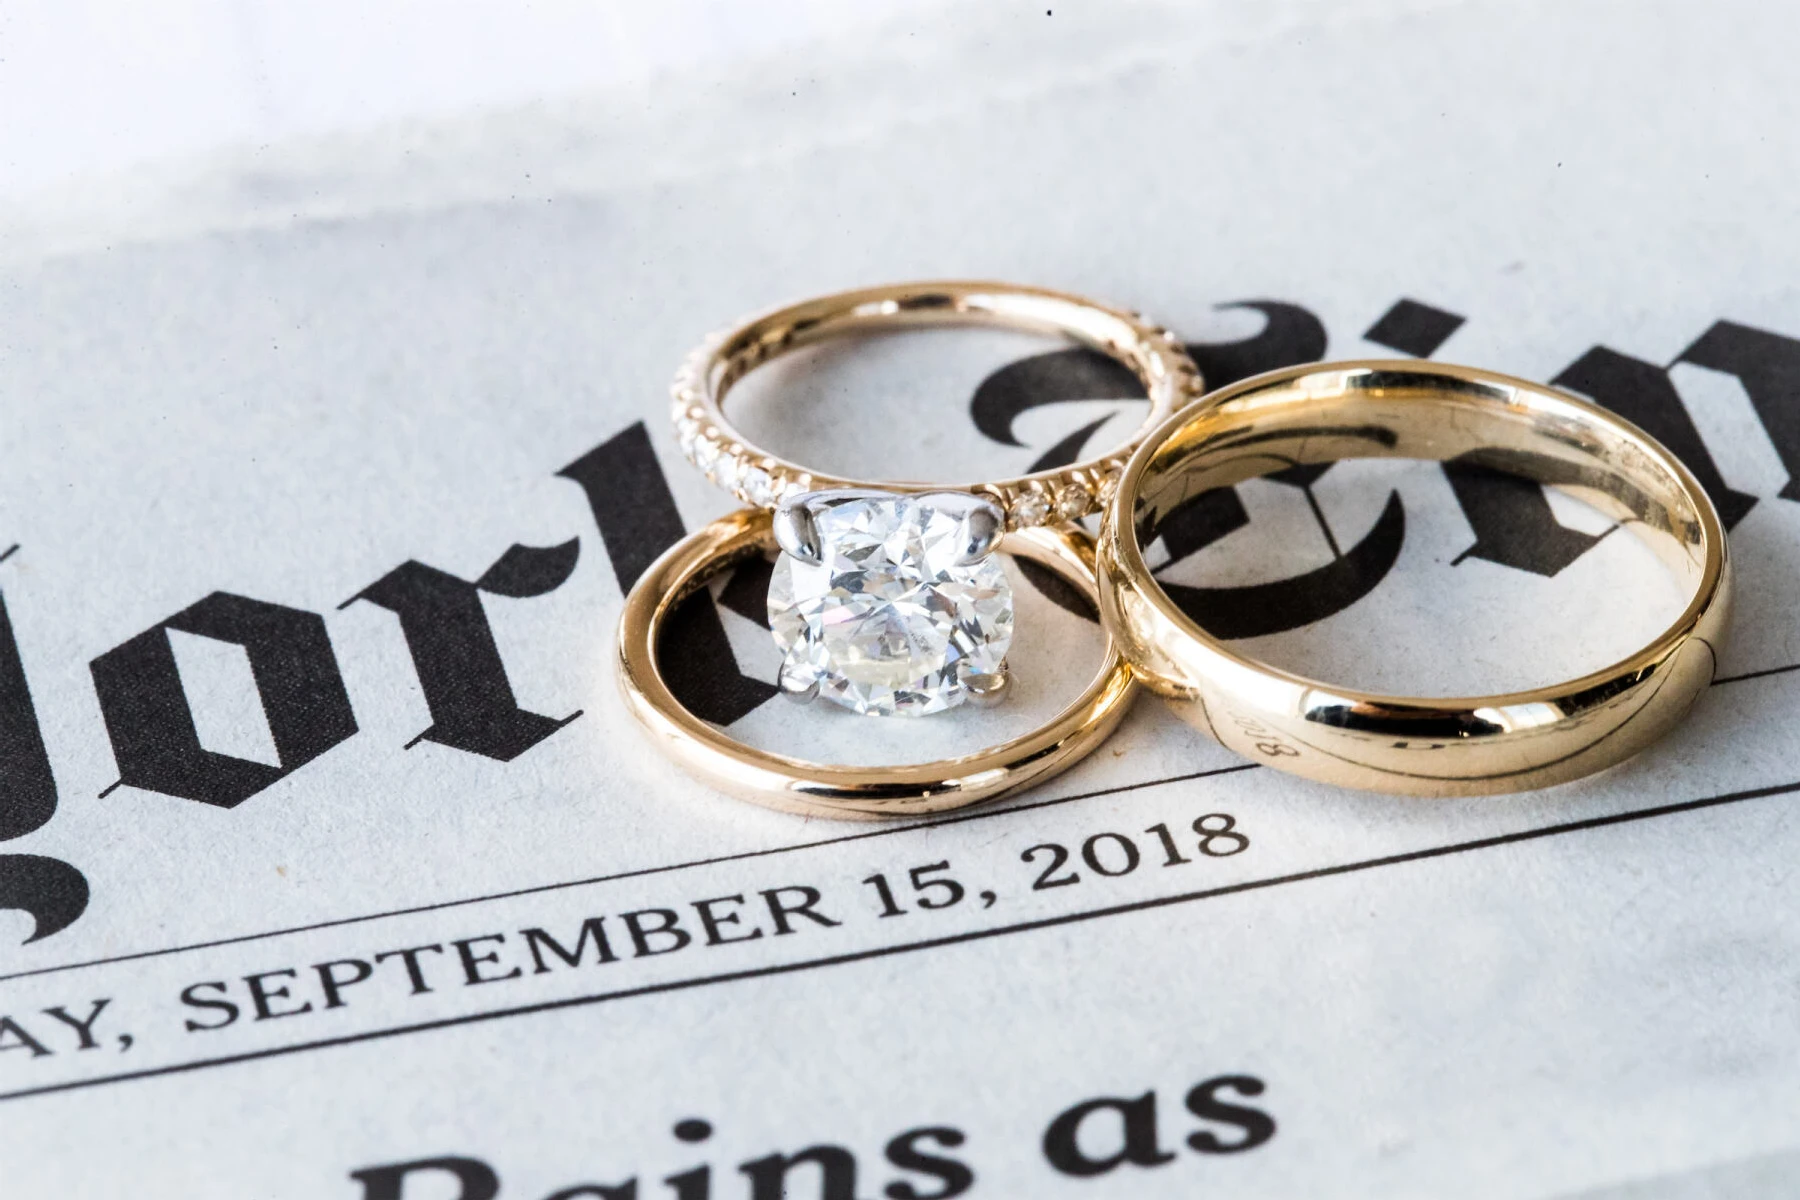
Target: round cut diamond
(890, 620)
(1031, 508)
(756, 487)
(726, 471)
(687, 435)
(1072, 502)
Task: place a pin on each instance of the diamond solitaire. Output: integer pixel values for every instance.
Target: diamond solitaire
(891, 604)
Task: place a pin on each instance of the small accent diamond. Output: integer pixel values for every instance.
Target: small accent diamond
(1072, 502)
(756, 487)
(704, 452)
(725, 472)
(1031, 508)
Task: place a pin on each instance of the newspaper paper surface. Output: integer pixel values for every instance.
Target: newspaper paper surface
(333, 866)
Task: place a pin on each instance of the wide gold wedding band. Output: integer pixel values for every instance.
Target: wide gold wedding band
(1413, 745)
(816, 789)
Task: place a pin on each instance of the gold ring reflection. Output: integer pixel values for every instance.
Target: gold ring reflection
(1412, 745)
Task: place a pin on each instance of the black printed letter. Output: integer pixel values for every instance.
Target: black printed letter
(453, 650)
(1137, 1120)
(152, 728)
(475, 1179)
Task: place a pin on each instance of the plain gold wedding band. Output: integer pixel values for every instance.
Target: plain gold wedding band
(1413, 745)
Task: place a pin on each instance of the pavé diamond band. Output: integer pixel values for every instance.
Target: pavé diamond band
(815, 789)
(712, 443)
(1400, 744)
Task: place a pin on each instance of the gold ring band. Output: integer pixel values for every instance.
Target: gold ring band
(1407, 409)
(713, 444)
(814, 789)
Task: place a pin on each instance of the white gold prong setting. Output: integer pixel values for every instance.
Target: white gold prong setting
(893, 602)
(799, 682)
(791, 690)
(984, 523)
(794, 530)
(986, 691)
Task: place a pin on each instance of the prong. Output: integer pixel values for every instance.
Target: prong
(989, 690)
(983, 526)
(983, 523)
(794, 530)
(799, 695)
(799, 682)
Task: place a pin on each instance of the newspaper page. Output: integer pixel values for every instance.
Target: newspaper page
(334, 866)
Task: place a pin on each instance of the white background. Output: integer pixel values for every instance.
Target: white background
(92, 86)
